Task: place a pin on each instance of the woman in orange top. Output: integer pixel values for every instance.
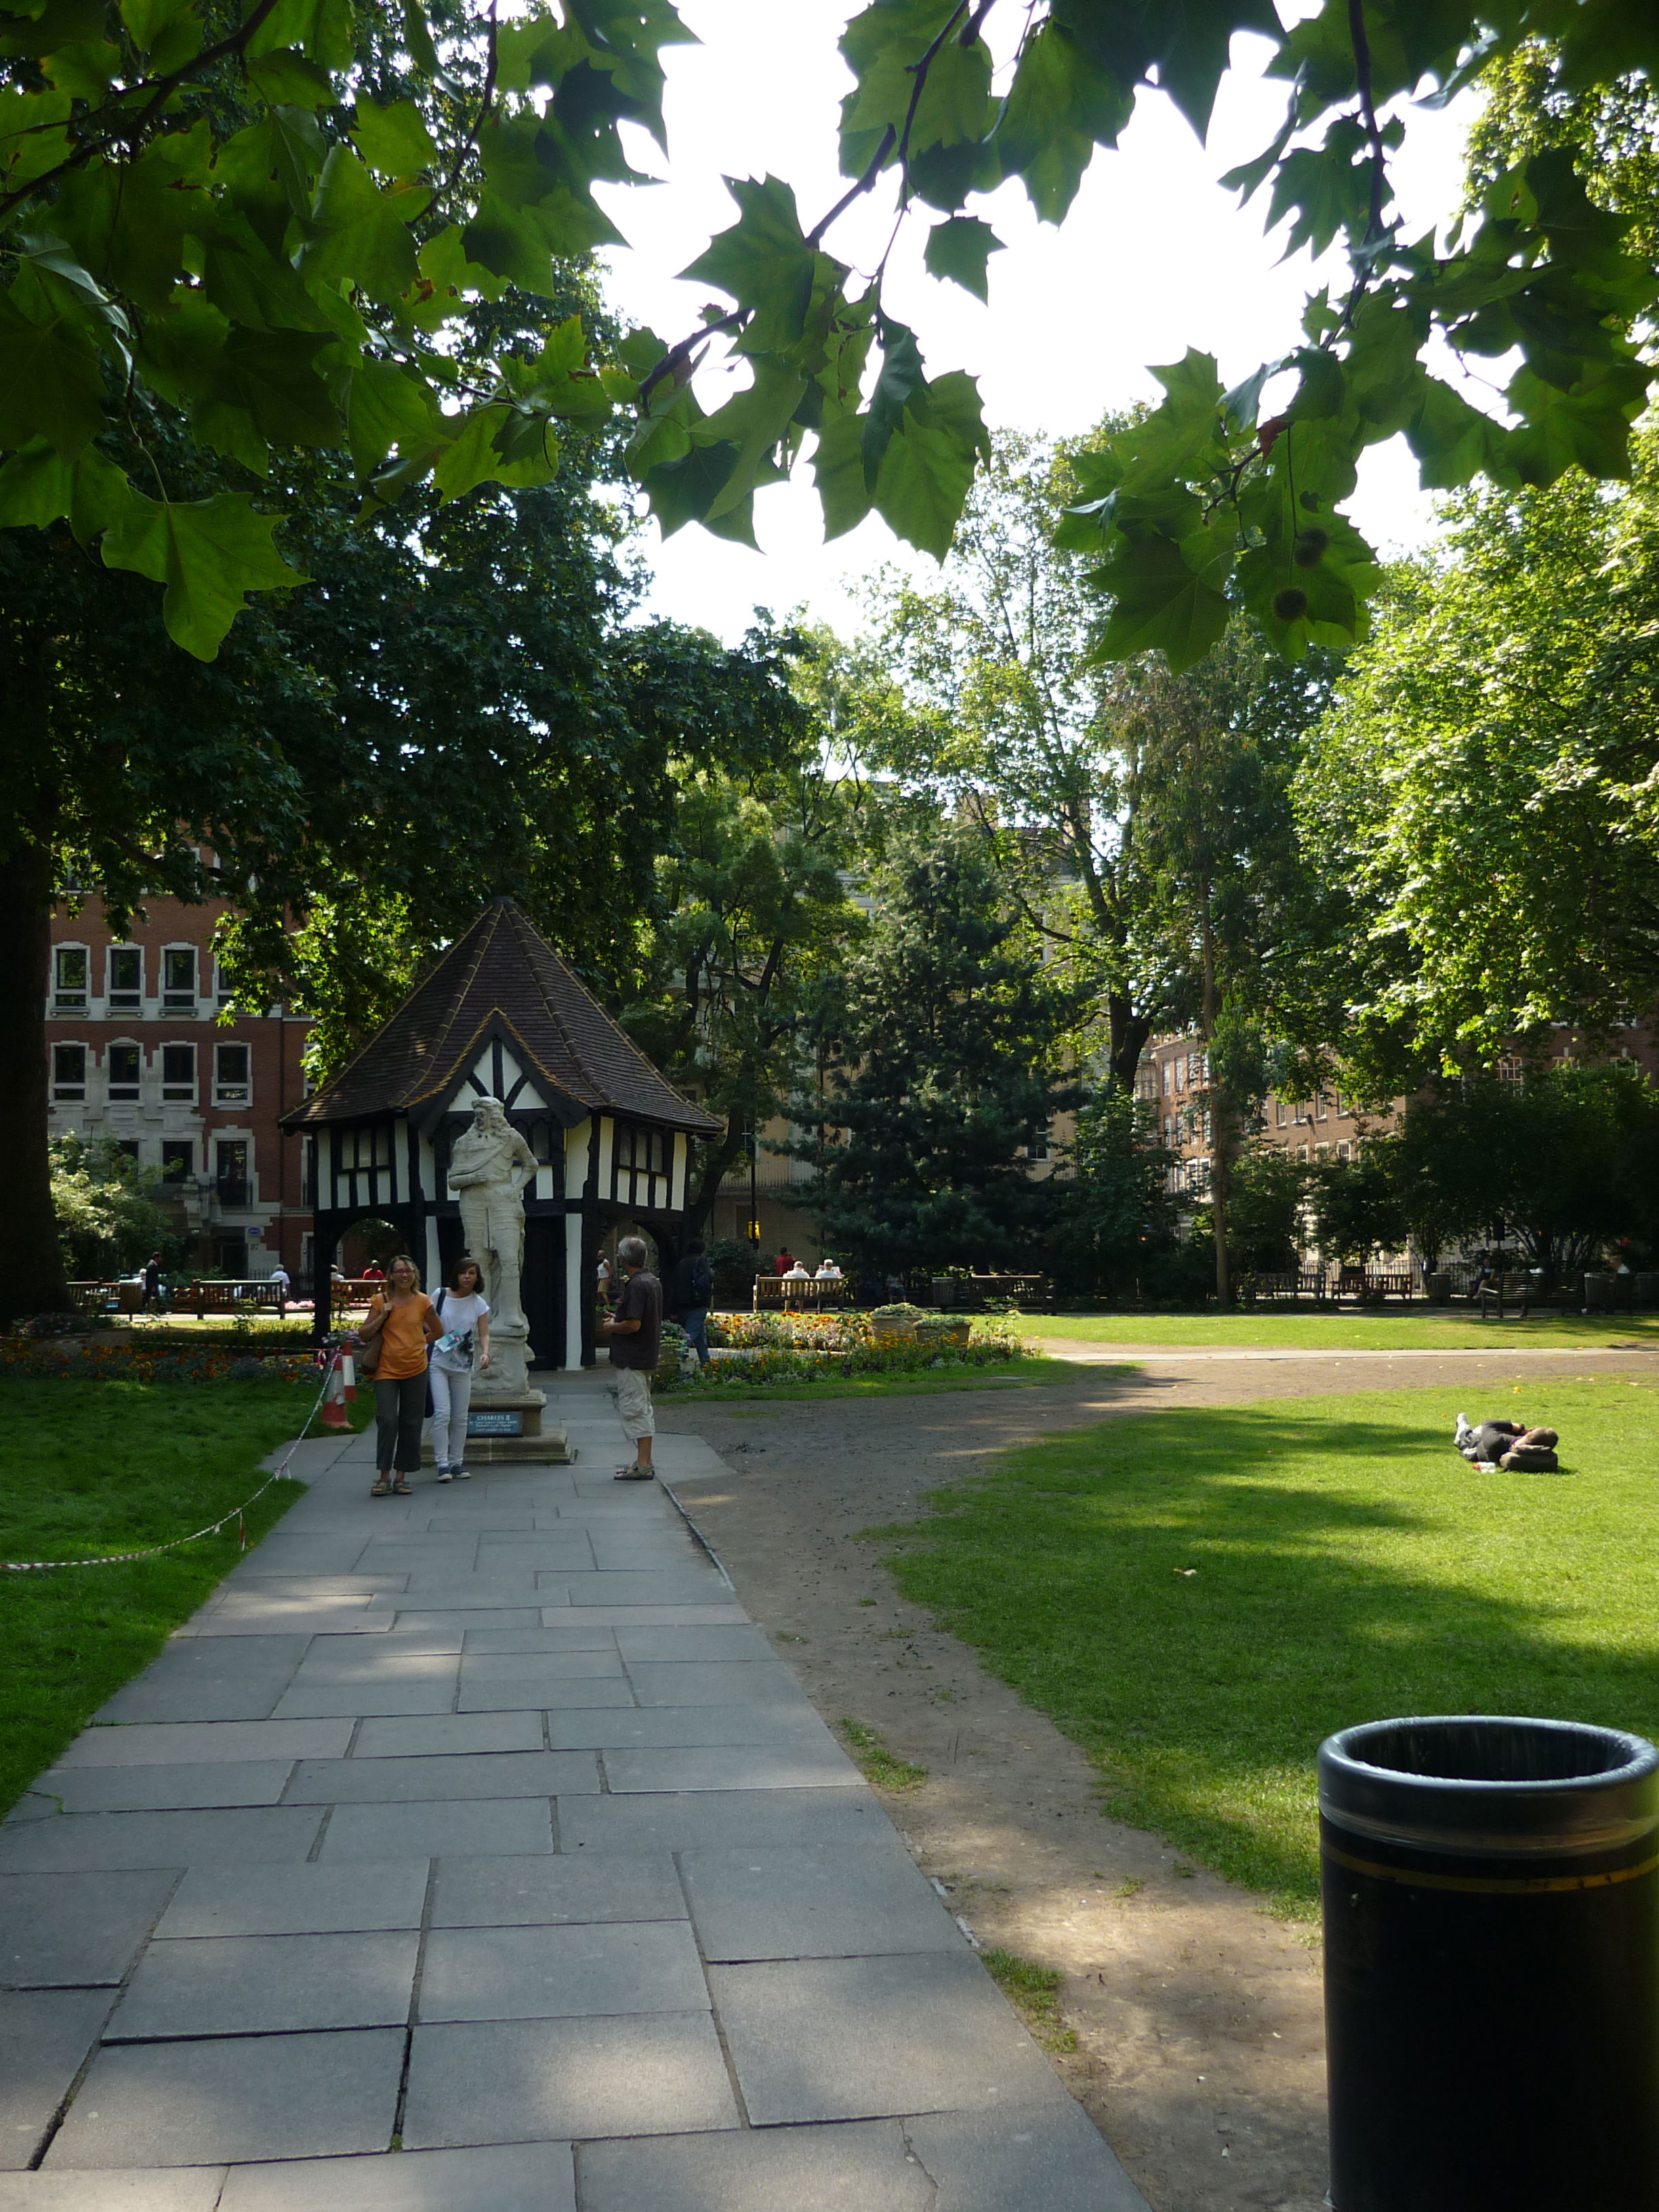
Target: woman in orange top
(405, 1321)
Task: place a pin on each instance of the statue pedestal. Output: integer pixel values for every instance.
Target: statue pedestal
(504, 1424)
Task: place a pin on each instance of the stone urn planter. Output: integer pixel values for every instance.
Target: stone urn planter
(893, 1327)
(943, 1332)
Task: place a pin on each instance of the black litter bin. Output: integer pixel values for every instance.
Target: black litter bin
(1491, 1966)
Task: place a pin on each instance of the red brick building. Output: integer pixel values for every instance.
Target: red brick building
(139, 1058)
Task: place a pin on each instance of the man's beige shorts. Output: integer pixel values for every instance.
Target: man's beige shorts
(634, 1401)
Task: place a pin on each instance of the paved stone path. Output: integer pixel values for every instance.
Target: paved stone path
(474, 1852)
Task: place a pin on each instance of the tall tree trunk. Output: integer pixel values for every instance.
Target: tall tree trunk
(1127, 1034)
(1220, 1119)
(31, 1261)
(716, 1161)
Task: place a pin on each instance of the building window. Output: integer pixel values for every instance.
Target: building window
(232, 1084)
(179, 978)
(179, 1073)
(1324, 1105)
(230, 1171)
(126, 1149)
(1280, 1112)
(1038, 1147)
(123, 1065)
(1341, 1107)
(126, 979)
(69, 1072)
(68, 979)
(178, 1158)
(541, 1143)
(1169, 1078)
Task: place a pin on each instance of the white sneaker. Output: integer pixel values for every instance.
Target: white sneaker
(445, 1474)
(462, 1473)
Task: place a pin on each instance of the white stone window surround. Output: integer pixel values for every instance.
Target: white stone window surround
(175, 997)
(176, 1089)
(69, 958)
(69, 1061)
(123, 979)
(123, 1076)
(229, 1088)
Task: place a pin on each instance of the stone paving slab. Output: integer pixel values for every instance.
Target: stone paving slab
(674, 1725)
(515, 1692)
(863, 2167)
(502, 1827)
(1048, 2156)
(687, 1820)
(186, 2188)
(554, 1973)
(510, 2177)
(174, 1789)
(298, 1900)
(557, 1832)
(76, 1930)
(481, 1642)
(506, 1893)
(426, 1734)
(849, 2038)
(715, 1682)
(209, 1679)
(822, 1765)
(267, 1985)
(232, 2100)
(79, 1841)
(526, 2081)
(191, 1742)
(825, 1901)
(362, 1781)
(45, 2034)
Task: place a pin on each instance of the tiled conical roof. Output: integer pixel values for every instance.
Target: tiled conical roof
(502, 972)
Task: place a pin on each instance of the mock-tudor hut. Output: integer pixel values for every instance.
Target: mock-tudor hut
(499, 1015)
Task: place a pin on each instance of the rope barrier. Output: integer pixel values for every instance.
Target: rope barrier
(236, 1512)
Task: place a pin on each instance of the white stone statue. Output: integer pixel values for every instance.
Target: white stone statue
(489, 1169)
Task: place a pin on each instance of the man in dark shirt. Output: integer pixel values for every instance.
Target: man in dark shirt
(635, 1331)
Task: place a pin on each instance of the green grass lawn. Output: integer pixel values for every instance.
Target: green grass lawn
(1198, 1597)
(998, 1375)
(1393, 1331)
(95, 1467)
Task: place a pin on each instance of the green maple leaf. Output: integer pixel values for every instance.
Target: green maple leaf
(1059, 107)
(272, 375)
(960, 249)
(39, 486)
(360, 235)
(763, 261)
(384, 408)
(210, 553)
(1158, 603)
(838, 470)
(393, 141)
(50, 380)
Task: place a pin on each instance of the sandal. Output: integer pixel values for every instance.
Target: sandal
(381, 1489)
(401, 1489)
(633, 1474)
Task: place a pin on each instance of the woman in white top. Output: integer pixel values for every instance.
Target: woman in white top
(464, 1345)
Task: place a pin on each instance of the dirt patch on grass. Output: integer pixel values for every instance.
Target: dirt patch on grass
(1197, 2018)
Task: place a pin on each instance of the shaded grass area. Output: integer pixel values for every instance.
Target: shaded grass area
(95, 1468)
(1399, 1330)
(1198, 1597)
(874, 1760)
(916, 1384)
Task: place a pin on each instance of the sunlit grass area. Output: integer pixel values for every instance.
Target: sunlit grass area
(1199, 1597)
(1394, 1329)
(93, 1467)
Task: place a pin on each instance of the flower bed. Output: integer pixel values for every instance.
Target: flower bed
(77, 1361)
(798, 1349)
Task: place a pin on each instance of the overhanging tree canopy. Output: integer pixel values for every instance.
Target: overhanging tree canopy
(223, 205)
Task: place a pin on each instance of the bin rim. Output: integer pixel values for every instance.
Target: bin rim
(1557, 1816)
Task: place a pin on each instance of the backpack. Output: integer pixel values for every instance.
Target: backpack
(699, 1280)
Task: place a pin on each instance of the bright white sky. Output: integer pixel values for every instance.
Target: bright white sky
(1154, 257)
